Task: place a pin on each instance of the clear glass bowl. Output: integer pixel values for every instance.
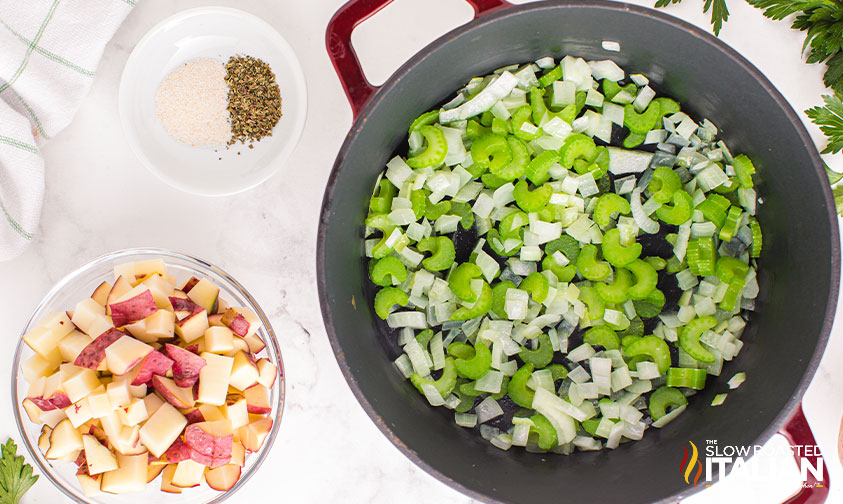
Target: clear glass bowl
(79, 285)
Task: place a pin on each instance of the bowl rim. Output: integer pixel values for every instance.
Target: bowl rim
(394, 81)
(196, 263)
(130, 133)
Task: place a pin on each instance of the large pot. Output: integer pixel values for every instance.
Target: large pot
(799, 267)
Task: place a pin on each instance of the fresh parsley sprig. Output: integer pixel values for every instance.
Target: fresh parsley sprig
(15, 474)
(822, 22)
(830, 121)
(718, 8)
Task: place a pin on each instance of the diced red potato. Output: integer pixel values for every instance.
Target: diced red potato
(236, 322)
(205, 294)
(161, 290)
(257, 399)
(100, 294)
(72, 345)
(134, 308)
(219, 340)
(44, 337)
(86, 314)
(94, 353)
(253, 435)
(153, 471)
(268, 372)
(167, 480)
(44, 438)
(124, 354)
(215, 320)
(121, 433)
(224, 477)
(121, 286)
(194, 415)
(210, 438)
(238, 454)
(186, 365)
(256, 344)
(193, 326)
(244, 371)
(189, 473)
(179, 397)
(189, 284)
(155, 363)
(177, 452)
(208, 460)
(182, 306)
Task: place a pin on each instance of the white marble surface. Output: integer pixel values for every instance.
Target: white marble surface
(99, 198)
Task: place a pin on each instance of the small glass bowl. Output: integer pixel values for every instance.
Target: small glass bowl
(79, 285)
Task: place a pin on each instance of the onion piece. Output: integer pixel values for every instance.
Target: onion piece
(669, 416)
(644, 222)
(487, 410)
(483, 101)
(467, 420)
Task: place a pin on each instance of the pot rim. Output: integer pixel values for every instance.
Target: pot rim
(703, 37)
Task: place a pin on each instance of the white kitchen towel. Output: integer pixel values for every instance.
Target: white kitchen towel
(49, 50)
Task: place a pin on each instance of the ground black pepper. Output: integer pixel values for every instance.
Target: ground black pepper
(254, 99)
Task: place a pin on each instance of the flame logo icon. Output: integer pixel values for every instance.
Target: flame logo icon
(687, 466)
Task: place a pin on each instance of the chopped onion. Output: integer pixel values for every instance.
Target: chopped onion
(610, 45)
(398, 171)
(432, 394)
(404, 365)
(640, 386)
(615, 435)
(711, 177)
(645, 96)
(490, 382)
(604, 427)
(623, 161)
(563, 93)
(613, 112)
(556, 127)
(736, 381)
(580, 353)
(647, 370)
(594, 98)
(483, 101)
(487, 410)
(413, 319)
(587, 443)
(437, 351)
(468, 192)
(577, 70)
(578, 375)
(634, 431)
(502, 441)
(669, 416)
(402, 216)
(719, 399)
(681, 246)
(606, 69)
(467, 420)
(587, 186)
(644, 222)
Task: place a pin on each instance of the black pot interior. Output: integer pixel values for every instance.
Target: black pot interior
(798, 276)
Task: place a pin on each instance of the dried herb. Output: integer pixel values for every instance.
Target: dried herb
(254, 99)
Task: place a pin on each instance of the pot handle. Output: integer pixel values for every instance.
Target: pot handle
(798, 434)
(338, 40)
